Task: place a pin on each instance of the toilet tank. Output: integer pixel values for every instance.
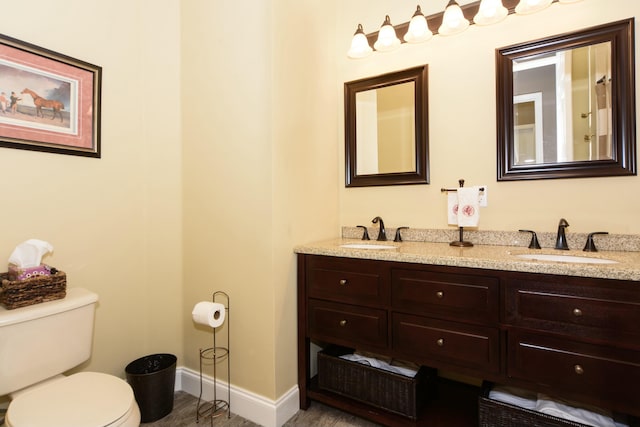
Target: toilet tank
(43, 340)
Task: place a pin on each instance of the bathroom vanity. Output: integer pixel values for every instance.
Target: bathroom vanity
(568, 330)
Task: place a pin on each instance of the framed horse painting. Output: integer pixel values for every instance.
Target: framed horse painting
(48, 101)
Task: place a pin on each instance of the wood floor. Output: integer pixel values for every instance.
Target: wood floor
(318, 415)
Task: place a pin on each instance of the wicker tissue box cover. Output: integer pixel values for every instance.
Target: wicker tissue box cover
(393, 392)
(34, 290)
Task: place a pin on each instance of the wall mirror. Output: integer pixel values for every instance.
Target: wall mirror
(386, 136)
(566, 105)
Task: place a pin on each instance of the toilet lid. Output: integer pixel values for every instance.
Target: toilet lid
(86, 399)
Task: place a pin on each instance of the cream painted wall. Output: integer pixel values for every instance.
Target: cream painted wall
(462, 125)
(216, 165)
(227, 180)
(257, 148)
(260, 170)
(115, 222)
(303, 115)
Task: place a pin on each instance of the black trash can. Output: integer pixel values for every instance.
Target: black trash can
(152, 379)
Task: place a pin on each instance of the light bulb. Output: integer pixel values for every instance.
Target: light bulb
(387, 39)
(453, 21)
(532, 6)
(418, 29)
(490, 12)
(360, 47)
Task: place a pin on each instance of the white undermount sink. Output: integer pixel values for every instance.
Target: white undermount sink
(566, 258)
(367, 246)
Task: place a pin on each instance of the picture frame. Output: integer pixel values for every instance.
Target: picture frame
(49, 102)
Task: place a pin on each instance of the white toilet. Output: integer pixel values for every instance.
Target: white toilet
(40, 342)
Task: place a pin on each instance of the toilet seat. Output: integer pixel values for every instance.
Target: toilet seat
(85, 399)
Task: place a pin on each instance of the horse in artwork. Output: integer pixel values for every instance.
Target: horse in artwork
(41, 103)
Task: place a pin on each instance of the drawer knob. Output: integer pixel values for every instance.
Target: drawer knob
(440, 342)
(577, 312)
(440, 294)
(343, 282)
(579, 370)
(343, 323)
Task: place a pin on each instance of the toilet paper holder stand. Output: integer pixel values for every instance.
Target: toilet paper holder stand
(214, 355)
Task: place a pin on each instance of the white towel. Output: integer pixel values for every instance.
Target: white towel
(373, 362)
(514, 396)
(589, 415)
(364, 360)
(468, 207)
(452, 208)
(407, 372)
(408, 369)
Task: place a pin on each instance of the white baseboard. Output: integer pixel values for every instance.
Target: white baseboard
(253, 407)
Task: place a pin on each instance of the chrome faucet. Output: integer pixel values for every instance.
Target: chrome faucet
(382, 235)
(561, 239)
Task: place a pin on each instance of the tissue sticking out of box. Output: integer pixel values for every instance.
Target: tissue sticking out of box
(29, 254)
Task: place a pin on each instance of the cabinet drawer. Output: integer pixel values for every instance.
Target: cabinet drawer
(454, 344)
(347, 325)
(446, 295)
(346, 280)
(583, 369)
(573, 309)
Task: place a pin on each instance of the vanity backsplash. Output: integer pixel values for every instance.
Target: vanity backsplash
(576, 241)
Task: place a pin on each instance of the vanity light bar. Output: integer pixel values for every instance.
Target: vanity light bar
(453, 20)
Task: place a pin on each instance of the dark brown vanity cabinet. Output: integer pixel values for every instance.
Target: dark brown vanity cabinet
(441, 318)
(571, 337)
(347, 302)
(577, 337)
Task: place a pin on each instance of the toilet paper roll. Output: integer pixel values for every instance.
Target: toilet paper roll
(208, 313)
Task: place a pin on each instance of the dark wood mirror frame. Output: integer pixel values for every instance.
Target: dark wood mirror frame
(623, 162)
(417, 75)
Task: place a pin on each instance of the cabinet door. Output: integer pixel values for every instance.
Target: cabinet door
(453, 296)
(441, 343)
(348, 325)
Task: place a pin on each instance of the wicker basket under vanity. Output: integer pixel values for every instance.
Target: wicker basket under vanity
(383, 389)
(494, 413)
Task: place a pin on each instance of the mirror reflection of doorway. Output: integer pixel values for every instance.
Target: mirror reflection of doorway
(528, 141)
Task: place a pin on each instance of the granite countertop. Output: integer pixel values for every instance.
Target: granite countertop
(492, 257)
